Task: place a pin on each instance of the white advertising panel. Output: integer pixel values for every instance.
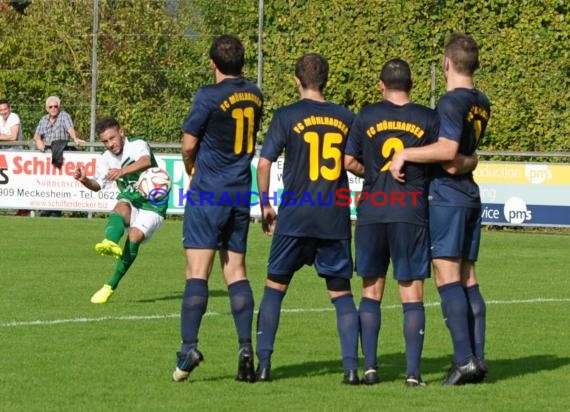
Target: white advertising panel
(512, 193)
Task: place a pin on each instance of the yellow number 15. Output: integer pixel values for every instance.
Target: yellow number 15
(328, 151)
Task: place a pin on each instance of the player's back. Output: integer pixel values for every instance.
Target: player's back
(226, 118)
(464, 115)
(380, 130)
(313, 135)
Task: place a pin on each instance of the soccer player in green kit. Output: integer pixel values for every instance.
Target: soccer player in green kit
(123, 162)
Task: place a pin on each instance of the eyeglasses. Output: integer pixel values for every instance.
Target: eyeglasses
(55, 106)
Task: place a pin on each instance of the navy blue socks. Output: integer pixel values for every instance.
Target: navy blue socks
(241, 302)
(267, 323)
(194, 305)
(414, 331)
(454, 308)
(370, 322)
(477, 312)
(347, 325)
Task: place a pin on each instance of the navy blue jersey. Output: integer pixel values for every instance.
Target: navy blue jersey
(380, 130)
(464, 114)
(226, 118)
(313, 135)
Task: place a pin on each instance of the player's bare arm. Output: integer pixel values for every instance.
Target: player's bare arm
(190, 145)
(82, 178)
(142, 163)
(353, 165)
(444, 150)
(461, 164)
(268, 215)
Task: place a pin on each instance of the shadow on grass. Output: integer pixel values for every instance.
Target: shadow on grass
(178, 295)
(173, 296)
(392, 367)
(501, 369)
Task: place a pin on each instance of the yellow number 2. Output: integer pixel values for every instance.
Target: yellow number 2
(391, 146)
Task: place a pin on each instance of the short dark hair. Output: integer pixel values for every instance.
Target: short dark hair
(463, 51)
(228, 54)
(312, 70)
(106, 123)
(396, 75)
(4, 101)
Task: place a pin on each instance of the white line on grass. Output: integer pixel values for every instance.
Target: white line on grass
(299, 310)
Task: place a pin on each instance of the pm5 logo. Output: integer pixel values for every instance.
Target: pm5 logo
(3, 167)
(537, 174)
(516, 212)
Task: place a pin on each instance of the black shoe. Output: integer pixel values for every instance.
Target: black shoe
(186, 363)
(351, 377)
(413, 381)
(370, 377)
(246, 372)
(263, 375)
(482, 371)
(461, 374)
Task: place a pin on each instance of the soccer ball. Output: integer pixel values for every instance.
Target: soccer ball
(154, 182)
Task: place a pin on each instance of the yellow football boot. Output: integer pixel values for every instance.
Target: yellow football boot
(102, 295)
(109, 248)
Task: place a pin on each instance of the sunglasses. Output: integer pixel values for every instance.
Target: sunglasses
(55, 106)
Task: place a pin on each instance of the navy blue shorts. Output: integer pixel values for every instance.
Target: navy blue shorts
(215, 227)
(331, 257)
(406, 244)
(455, 232)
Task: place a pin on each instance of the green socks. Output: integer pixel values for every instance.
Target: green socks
(115, 228)
(130, 252)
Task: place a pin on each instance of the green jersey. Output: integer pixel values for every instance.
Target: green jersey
(133, 150)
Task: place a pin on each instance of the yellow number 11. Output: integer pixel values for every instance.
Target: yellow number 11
(241, 115)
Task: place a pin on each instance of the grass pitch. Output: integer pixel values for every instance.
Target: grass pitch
(62, 353)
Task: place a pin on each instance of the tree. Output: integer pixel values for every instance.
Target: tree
(153, 55)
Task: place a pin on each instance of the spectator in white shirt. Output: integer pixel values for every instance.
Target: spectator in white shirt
(10, 127)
